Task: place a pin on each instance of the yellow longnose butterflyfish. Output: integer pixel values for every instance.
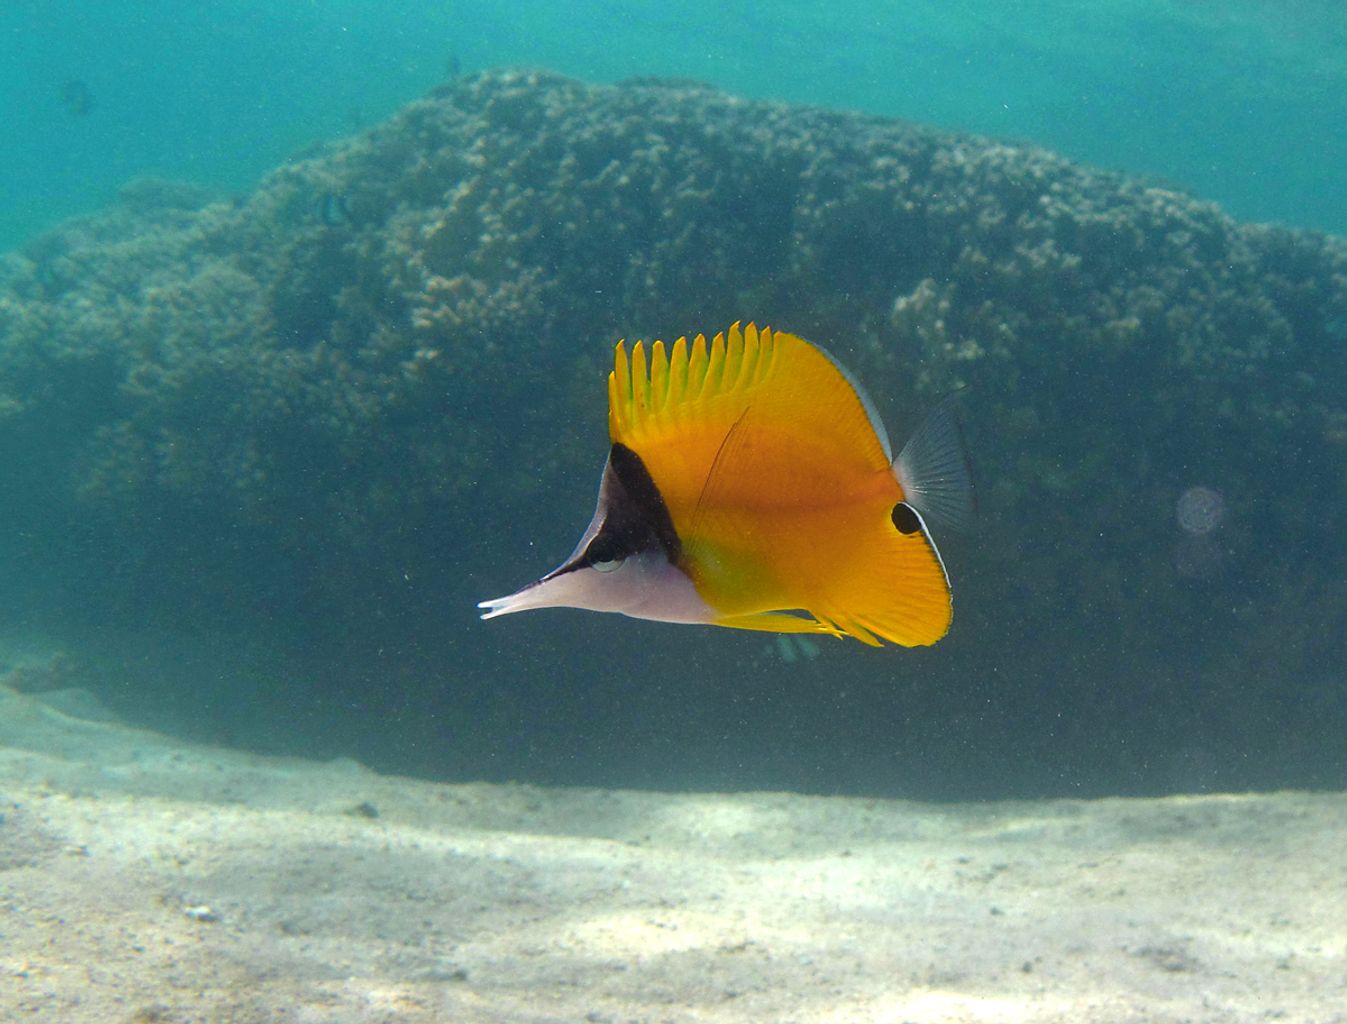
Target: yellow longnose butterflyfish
(751, 484)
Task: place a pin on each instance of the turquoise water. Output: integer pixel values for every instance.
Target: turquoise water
(1238, 102)
(265, 456)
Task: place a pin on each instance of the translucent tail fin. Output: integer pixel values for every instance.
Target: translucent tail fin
(933, 469)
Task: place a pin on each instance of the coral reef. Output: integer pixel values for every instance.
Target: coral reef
(390, 354)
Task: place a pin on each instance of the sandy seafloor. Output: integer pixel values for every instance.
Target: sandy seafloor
(146, 880)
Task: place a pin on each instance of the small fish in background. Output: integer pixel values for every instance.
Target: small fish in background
(792, 648)
(334, 210)
(453, 70)
(77, 97)
(750, 484)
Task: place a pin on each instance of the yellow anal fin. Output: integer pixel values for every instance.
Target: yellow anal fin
(849, 566)
(885, 586)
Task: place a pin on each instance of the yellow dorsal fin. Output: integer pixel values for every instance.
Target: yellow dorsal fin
(693, 396)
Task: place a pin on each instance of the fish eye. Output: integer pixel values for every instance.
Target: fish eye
(603, 554)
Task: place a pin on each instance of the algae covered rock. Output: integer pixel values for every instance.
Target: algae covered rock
(382, 369)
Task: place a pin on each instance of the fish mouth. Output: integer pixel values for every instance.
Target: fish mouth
(560, 588)
(497, 606)
(532, 596)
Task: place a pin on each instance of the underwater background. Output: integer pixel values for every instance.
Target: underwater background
(1236, 102)
(328, 369)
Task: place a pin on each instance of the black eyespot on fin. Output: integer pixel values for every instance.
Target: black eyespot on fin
(905, 518)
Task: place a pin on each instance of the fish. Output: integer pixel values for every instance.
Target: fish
(334, 210)
(750, 484)
(77, 97)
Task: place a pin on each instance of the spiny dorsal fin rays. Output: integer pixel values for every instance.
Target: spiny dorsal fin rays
(659, 378)
(697, 363)
(616, 392)
(678, 369)
(715, 367)
(640, 381)
(709, 385)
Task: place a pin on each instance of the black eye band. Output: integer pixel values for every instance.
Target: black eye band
(637, 520)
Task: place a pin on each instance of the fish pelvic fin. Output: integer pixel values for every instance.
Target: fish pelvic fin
(778, 622)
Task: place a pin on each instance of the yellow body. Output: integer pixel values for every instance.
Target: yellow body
(779, 487)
